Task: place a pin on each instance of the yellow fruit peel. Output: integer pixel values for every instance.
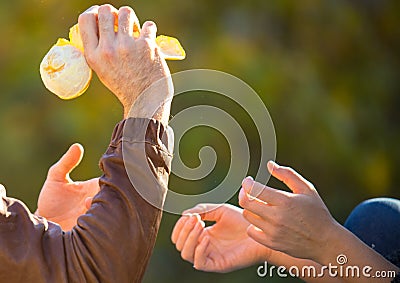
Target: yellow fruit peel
(62, 42)
(75, 37)
(65, 72)
(170, 47)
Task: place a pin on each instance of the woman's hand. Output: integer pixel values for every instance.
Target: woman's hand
(221, 247)
(298, 223)
(225, 246)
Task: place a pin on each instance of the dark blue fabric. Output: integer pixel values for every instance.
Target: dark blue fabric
(377, 223)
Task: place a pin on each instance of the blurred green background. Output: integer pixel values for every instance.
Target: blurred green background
(328, 71)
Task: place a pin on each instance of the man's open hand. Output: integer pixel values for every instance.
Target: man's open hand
(61, 200)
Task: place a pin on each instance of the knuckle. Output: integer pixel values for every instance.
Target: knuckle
(285, 200)
(105, 8)
(279, 220)
(125, 46)
(123, 50)
(126, 10)
(83, 18)
(107, 52)
(52, 169)
(150, 24)
(279, 229)
(288, 171)
(88, 14)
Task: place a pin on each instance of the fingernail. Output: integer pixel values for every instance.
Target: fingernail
(248, 183)
(247, 178)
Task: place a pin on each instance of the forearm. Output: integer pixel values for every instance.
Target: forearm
(120, 223)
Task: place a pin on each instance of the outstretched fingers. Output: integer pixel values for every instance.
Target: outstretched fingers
(178, 228)
(182, 232)
(201, 259)
(297, 183)
(257, 191)
(192, 241)
(207, 211)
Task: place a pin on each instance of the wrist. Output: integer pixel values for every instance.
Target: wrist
(154, 102)
(163, 113)
(334, 241)
(264, 254)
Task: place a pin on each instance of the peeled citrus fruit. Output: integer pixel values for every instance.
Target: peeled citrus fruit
(64, 70)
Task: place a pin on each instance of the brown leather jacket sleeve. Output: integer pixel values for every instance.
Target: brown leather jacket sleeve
(113, 241)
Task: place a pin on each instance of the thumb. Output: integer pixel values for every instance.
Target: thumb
(60, 171)
(207, 211)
